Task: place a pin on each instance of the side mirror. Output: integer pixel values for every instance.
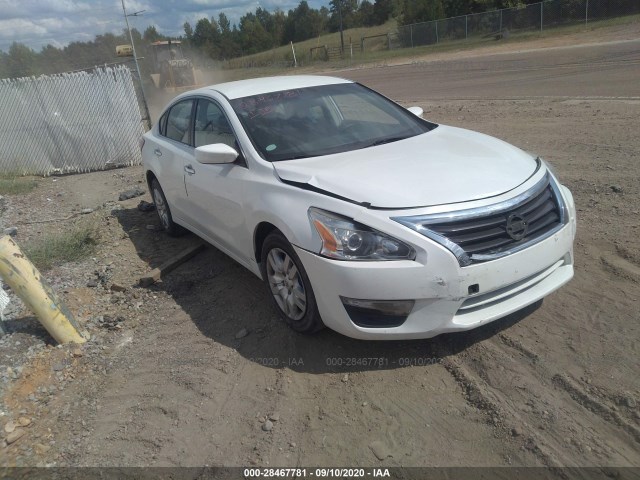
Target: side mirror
(216, 153)
(417, 111)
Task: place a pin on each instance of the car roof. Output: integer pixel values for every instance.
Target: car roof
(257, 86)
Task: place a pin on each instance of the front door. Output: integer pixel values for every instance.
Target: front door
(215, 192)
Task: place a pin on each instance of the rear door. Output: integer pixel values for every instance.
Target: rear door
(172, 153)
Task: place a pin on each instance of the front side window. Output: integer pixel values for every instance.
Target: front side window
(178, 121)
(212, 126)
(323, 120)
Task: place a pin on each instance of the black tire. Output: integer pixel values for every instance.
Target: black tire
(285, 295)
(164, 211)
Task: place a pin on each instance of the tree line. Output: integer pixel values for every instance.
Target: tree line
(260, 30)
(22, 61)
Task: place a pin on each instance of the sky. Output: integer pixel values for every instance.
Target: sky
(37, 23)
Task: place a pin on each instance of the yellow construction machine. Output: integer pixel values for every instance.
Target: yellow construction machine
(172, 71)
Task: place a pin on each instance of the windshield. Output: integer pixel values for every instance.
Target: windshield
(315, 121)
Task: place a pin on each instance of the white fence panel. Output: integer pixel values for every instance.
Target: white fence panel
(72, 122)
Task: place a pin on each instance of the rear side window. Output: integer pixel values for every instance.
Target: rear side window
(178, 121)
(162, 124)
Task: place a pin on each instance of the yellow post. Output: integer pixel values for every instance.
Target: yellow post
(26, 281)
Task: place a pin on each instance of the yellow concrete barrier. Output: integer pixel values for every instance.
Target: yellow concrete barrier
(25, 280)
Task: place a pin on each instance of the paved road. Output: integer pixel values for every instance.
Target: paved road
(577, 71)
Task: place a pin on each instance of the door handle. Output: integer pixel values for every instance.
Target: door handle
(189, 169)
(158, 152)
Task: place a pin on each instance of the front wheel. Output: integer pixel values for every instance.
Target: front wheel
(288, 285)
(163, 210)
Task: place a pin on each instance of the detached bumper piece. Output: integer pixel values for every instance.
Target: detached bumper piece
(377, 313)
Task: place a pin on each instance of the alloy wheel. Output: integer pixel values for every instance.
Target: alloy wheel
(286, 284)
(161, 208)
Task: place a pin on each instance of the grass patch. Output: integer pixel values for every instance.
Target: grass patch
(14, 185)
(69, 245)
(283, 53)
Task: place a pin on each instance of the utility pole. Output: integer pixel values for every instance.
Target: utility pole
(586, 14)
(339, 2)
(135, 58)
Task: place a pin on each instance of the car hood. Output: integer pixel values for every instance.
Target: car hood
(445, 165)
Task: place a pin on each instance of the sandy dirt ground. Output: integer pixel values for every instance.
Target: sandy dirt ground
(173, 385)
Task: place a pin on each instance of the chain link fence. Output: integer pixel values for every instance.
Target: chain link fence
(74, 122)
(500, 23)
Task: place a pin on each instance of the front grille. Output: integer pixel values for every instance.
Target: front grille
(488, 233)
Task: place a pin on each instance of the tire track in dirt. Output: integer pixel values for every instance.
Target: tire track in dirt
(592, 316)
(517, 411)
(595, 405)
(342, 416)
(478, 394)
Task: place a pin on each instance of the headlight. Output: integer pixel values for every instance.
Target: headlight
(550, 168)
(571, 206)
(566, 194)
(344, 239)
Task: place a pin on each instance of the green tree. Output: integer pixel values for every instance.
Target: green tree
(345, 10)
(320, 21)
(304, 22)
(255, 37)
(453, 8)
(229, 46)
(4, 64)
(51, 60)
(478, 6)
(382, 11)
(224, 23)
(279, 21)
(21, 61)
(206, 36)
(137, 37)
(102, 49)
(151, 34)
(229, 40)
(265, 19)
(366, 14)
(416, 11)
(188, 31)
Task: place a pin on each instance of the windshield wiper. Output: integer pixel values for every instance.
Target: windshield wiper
(295, 157)
(382, 141)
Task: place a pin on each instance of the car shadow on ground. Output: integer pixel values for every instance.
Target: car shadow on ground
(222, 299)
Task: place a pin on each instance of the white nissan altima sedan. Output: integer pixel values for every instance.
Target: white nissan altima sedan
(358, 214)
